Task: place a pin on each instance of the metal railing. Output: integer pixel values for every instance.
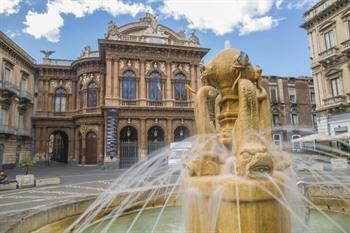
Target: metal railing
(156, 103)
(181, 103)
(128, 102)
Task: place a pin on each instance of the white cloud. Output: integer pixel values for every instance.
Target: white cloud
(301, 4)
(9, 7)
(48, 24)
(223, 16)
(12, 34)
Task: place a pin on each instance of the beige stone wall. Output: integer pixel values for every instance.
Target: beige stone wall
(331, 16)
(15, 100)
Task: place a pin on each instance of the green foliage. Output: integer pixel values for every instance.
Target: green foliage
(27, 163)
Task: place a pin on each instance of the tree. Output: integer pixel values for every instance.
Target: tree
(27, 163)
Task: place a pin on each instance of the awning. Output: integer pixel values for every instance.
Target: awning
(314, 137)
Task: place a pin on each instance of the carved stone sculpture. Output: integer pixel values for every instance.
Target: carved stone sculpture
(242, 109)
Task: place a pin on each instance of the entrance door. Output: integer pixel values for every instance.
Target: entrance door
(91, 148)
(128, 149)
(1, 155)
(59, 146)
(155, 138)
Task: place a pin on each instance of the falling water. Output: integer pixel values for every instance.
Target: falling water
(153, 184)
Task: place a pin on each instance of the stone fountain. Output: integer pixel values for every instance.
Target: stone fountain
(249, 200)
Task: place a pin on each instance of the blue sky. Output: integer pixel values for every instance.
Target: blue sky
(267, 30)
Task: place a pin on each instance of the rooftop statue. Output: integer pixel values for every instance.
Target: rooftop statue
(112, 31)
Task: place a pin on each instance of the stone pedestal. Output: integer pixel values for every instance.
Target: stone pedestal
(259, 212)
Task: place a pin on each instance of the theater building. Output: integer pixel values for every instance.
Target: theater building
(123, 101)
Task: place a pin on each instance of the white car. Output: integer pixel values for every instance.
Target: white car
(178, 149)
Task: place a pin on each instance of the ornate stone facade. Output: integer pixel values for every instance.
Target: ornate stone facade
(16, 102)
(328, 29)
(122, 102)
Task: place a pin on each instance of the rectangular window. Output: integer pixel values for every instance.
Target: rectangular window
(335, 86)
(21, 121)
(314, 122)
(277, 140)
(7, 74)
(329, 39)
(23, 85)
(273, 95)
(292, 95)
(276, 119)
(4, 117)
(312, 98)
(294, 118)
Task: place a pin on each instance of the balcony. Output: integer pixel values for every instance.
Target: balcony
(155, 103)
(128, 102)
(328, 55)
(8, 87)
(335, 100)
(24, 132)
(5, 129)
(25, 95)
(346, 46)
(182, 104)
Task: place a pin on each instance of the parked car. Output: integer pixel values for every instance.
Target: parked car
(178, 150)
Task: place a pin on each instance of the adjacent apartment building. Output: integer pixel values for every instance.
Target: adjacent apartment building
(328, 28)
(292, 108)
(16, 102)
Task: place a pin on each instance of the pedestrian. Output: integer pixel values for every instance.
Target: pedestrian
(3, 178)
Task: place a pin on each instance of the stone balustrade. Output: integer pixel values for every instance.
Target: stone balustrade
(335, 100)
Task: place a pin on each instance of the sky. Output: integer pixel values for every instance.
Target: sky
(267, 30)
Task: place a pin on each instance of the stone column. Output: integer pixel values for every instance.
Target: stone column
(168, 89)
(198, 78)
(116, 85)
(143, 137)
(142, 84)
(169, 131)
(109, 86)
(83, 147)
(193, 80)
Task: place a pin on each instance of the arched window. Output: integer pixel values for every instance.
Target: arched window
(60, 100)
(155, 86)
(81, 96)
(129, 85)
(179, 87)
(92, 95)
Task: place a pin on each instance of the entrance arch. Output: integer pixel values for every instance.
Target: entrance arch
(155, 138)
(181, 133)
(58, 146)
(128, 150)
(91, 148)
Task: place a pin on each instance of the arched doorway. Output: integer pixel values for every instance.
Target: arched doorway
(81, 152)
(58, 146)
(91, 148)
(128, 150)
(181, 133)
(155, 138)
